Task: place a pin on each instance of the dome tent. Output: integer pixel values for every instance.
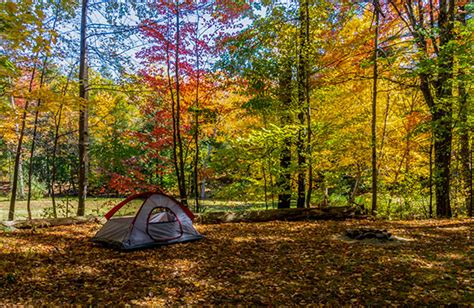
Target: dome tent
(147, 220)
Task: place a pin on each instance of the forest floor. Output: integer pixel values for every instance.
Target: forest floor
(290, 263)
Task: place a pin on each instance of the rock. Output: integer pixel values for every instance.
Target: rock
(370, 235)
(380, 236)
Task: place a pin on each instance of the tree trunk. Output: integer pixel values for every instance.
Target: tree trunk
(173, 106)
(442, 110)
(440, 79)
(284, 176)
(33, 143)
(57, 124)
(83, 115)
(442, 161)
(308, 108)
(300, 143)
(284, 179)
(265, 186)
(16, 168)
(196, 119)
(466, 166)
(21, 187)
(181, 180)
(430, 183)
(272, 186)
(373, 143)
(384, 133)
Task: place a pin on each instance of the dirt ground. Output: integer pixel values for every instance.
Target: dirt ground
(290, 263)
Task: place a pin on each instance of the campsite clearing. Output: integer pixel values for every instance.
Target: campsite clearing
(248, 263)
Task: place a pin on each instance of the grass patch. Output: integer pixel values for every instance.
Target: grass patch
(42, 208)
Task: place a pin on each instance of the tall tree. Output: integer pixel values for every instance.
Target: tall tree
(302, 94)
(432, 27)
(373, 143)
(177, 114)
(197, 53)
(83, 113)
(307, 73)
(465, 151)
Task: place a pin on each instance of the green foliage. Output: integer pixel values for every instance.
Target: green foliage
(38, 188)
(64, 208)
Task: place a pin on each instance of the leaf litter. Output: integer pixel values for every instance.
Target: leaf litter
(272, 263)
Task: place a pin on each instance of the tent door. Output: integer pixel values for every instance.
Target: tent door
(163, 225)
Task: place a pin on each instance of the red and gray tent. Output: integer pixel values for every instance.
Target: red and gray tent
(146, 220)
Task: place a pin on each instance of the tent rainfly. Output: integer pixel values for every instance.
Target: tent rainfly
(147, 220)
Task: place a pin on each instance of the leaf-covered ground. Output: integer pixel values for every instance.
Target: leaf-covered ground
(255, 263)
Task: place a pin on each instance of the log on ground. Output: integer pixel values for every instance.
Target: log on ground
(329, 213)
(46, 222)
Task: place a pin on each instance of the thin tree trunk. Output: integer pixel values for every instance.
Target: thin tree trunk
(430, 183)
(374, 112)
(21, 188)
(354, 190)
(384, 132)
(21, 181)
(308, 107)
(301, 76)
(35, 128)
(16, 168)
(173, 107)
(53, 159)
(272, 187)
(196, 119)
(83, 115)
(470, 188)
(33, 143)
(182, 180)
(57, 124)
(265, 187)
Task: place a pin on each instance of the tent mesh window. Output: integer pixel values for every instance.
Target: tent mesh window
(163, 225)
(161, 215)
(130, 209)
